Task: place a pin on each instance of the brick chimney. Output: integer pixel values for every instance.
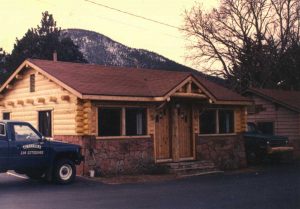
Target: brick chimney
(55, 56)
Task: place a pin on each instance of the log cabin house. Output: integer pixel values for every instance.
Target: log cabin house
(128, 120)
(276, 112)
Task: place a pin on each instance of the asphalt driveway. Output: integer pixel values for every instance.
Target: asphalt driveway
(275, 187)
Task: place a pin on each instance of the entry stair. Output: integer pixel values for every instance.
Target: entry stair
(193, 168)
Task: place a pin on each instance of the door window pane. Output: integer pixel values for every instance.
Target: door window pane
(135, 121)
(45, 123)
(109, 122)
(226, 121)
(25, 133)
(208, 122)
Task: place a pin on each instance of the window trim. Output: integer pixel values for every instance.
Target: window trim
(4, 129)
(217, 123)
(123, 122)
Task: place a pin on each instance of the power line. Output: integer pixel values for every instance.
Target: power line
(131, 14)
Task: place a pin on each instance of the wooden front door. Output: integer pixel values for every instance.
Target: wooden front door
(163, 143)
(174, 133)
(185, 135)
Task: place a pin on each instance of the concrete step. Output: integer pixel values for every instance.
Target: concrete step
(192, 168)
(190, 164)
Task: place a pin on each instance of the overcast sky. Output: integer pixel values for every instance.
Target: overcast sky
(18, 15)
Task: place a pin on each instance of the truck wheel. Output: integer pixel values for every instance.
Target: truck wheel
(64, 171)
(35, 175)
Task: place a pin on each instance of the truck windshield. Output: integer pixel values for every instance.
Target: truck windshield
(25, 133)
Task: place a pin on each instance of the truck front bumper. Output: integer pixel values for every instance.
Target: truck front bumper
(274, 150)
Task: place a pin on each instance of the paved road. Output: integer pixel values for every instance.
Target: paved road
(277, 187)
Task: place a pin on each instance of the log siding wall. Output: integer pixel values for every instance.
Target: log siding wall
(24, 105)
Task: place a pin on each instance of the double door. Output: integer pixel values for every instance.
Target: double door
(174, 134)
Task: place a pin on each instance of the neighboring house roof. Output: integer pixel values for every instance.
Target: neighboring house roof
(97, 80)
(288, 99)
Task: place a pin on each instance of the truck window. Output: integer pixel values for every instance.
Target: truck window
(2, 130)
(25, 133)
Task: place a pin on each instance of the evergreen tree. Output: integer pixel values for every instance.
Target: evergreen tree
(41, 42)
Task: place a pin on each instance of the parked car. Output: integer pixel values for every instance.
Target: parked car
(260, 146)
(24, 150)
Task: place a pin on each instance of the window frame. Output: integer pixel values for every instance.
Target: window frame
(123, 121)
(217, 128)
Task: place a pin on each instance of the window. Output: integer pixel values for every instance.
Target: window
(208, 122)
(135, 121)
(2, 130)
(32, 83)
(226, 124)
(217, 121)
(109, 121)
(25, 133)
(122, 121)
(6, 116)
(266, 127)
(45, 123)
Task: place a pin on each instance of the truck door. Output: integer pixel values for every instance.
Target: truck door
(27, 149)
(3, 147)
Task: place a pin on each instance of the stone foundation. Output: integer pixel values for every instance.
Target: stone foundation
(136, 155)
(227, 152)
(113, 156)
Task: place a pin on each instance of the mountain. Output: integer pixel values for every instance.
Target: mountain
(99, 49)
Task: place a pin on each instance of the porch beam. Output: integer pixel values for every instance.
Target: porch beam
(190, 95)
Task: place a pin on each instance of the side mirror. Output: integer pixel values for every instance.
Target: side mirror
(43, 139)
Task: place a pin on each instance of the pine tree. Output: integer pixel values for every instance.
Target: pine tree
(41, 42)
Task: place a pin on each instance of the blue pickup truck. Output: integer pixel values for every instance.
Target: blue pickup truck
(24, 150)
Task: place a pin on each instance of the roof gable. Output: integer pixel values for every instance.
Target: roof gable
(288, 99)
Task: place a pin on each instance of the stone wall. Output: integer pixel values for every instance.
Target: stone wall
(113, 156)
(227, 152)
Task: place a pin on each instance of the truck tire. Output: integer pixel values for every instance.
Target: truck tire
(35, 175)
(64, 171)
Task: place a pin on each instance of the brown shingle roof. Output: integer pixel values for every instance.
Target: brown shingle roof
(91, 79)
(289, 99)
